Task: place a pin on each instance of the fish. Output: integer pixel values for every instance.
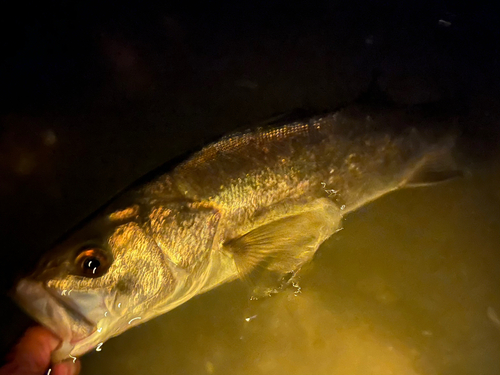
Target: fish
(263, 199)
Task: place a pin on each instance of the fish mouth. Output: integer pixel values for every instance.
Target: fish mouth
(74, 313)
(50, 310)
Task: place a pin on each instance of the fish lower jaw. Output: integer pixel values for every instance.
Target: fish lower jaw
(62, 352)
(74, 349)
(105, 329)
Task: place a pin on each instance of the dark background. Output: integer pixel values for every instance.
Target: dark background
(95, 95)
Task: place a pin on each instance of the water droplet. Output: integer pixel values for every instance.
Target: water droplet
(98, 349)
(136, 318)
(25, 164)
(209, 366)
(74, 358)
(444, 23)
(297, 287)
(492, 315)
(49, 137)
(250, 318)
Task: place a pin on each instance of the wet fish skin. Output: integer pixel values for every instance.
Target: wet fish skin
(263, 197)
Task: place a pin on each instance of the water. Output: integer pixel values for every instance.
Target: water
(409, 286)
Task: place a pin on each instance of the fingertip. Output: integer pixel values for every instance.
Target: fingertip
(66, 368)
(75, 368)
(32, 352)
(38, 335)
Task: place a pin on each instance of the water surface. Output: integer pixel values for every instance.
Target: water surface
(409, 286)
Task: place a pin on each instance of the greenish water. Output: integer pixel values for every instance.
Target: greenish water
(410, 286)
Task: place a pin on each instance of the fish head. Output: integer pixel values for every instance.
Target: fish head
(104, 278)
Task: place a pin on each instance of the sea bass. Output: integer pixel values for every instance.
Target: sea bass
(260, 199)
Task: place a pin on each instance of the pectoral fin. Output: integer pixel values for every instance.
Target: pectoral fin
(285, 244)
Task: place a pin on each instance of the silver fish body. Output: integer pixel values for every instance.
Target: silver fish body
(262, 198)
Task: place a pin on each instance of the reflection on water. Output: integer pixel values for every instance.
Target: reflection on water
(410, 286)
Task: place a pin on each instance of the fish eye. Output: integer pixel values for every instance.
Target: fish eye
(92, 262)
